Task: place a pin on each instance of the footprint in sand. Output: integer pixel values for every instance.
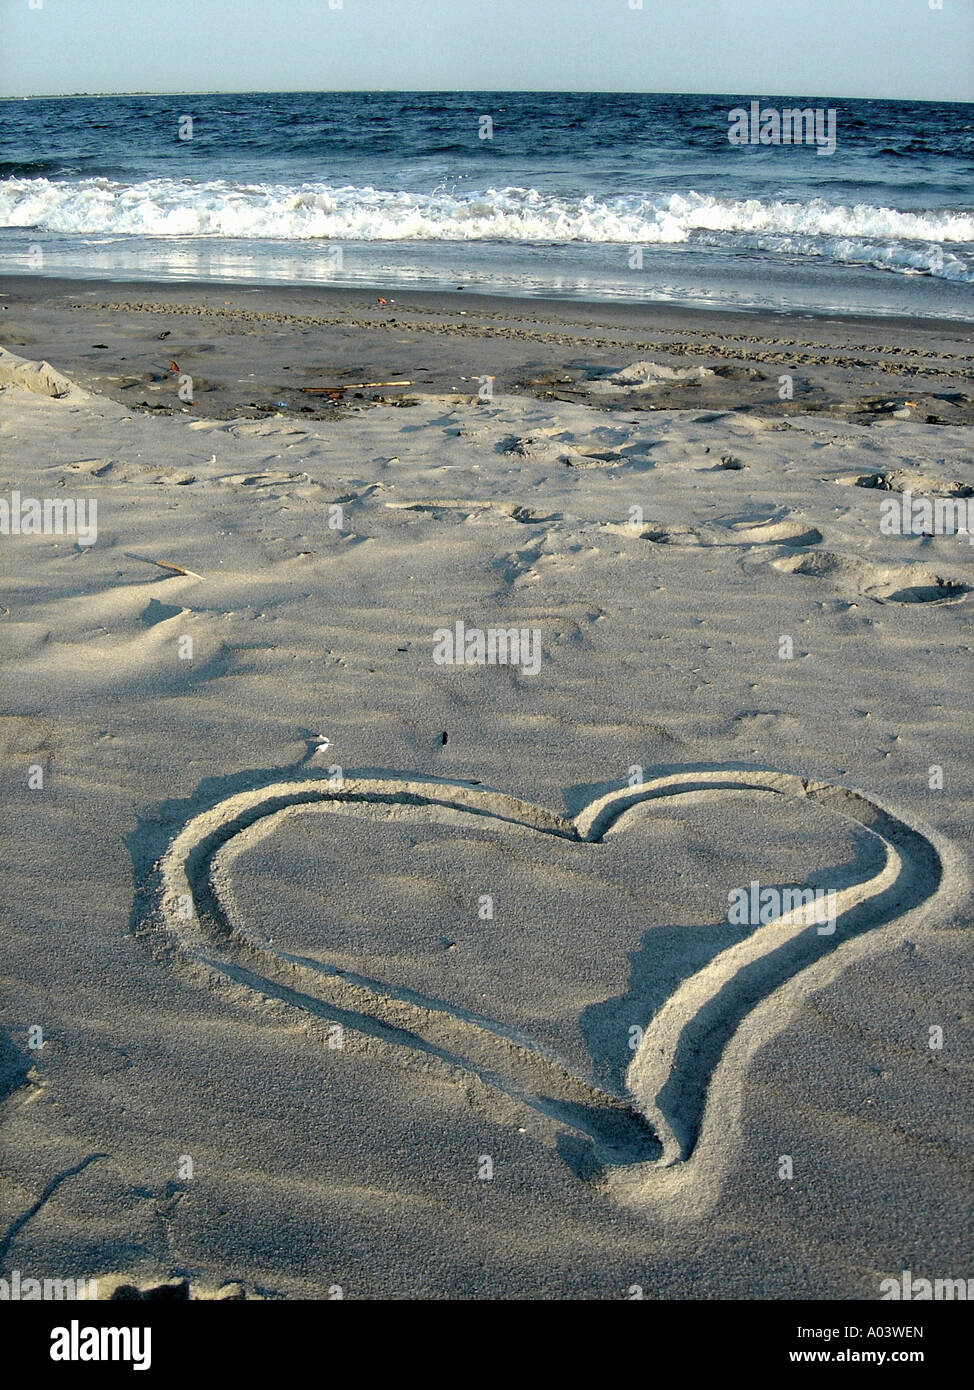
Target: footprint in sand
(731, 531)
(902, 480)
(512, 510)
(262, 479)
(605, 448)
(883, 583)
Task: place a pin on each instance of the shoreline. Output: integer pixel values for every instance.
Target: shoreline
(120, 338)
(667, 311)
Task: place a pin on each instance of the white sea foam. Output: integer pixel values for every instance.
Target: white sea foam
(862, 233)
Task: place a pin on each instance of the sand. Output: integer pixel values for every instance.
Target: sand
(359, 969)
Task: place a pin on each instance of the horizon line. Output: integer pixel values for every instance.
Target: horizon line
(461, 91)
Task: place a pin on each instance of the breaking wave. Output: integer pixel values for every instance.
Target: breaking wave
(908, 242)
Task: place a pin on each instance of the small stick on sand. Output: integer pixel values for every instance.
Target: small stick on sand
(176, 569)
(350, 386)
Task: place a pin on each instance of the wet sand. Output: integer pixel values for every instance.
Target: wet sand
(248, 349)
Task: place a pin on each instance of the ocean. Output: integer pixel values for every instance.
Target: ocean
(601, 196)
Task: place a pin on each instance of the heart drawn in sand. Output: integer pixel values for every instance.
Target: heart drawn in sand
(670, 1121)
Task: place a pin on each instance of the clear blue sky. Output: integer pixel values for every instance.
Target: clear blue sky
(880, 48)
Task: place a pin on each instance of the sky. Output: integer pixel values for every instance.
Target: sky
(907, 49)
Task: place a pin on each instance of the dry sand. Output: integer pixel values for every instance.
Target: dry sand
(284, 1044)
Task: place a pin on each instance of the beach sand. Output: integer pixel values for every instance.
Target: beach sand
(359, 971)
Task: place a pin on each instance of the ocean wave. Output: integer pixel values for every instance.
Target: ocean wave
(168, 207)
(23, 168)
(902, 257)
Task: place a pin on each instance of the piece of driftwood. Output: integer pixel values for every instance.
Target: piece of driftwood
(350, 386)
(176, 569)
